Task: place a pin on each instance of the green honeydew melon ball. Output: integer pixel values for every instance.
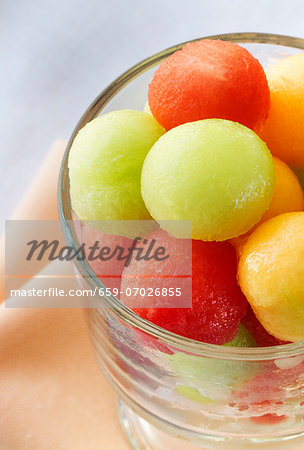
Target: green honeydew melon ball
(147, 108)
(214, 172)
(206, 380)
(243, 338)
(105, 164)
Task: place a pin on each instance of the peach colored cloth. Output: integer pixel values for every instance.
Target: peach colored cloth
(40, 201)
(52, 393)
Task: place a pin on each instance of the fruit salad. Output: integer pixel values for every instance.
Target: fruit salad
(217, 147)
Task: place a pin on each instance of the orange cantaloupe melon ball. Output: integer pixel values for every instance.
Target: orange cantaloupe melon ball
(288, 197)
(284, 131)
(271, 274)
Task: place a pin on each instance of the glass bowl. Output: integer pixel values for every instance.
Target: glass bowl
(175, 392)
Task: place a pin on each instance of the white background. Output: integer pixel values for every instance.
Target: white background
(57, 55)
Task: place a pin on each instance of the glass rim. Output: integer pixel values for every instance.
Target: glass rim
(65, 215)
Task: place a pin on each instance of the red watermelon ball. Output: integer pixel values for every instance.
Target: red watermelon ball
(218, 304)
(256, 329)
(210, 79)
(108, 270)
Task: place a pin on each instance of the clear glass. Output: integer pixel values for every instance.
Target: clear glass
(175, 392)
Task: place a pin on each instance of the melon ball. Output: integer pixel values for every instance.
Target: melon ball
(267, 392)
(147, 108)
(300, 175)
(105, 165)
(283, 130)
(271, 273)
(216, 173)
(260, 335)
(107, 269)
(218, 304)
(287, 197)
(205, 380)
(210, 79)
(243, 338)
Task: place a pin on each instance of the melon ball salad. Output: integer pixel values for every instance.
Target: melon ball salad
(219, 145)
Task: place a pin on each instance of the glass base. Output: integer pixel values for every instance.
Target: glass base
(144, 435)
